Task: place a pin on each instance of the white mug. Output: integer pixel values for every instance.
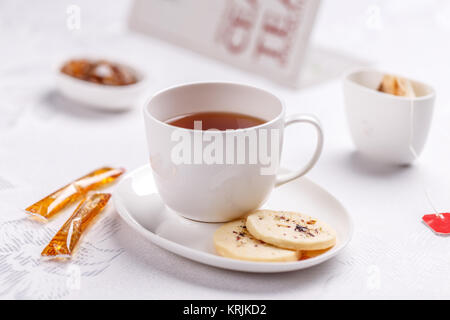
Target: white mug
(203, 187)
(385, 127)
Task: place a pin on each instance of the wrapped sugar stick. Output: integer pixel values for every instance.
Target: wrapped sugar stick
(58, 200)
(64, 242)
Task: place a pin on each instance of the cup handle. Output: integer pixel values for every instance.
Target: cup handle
(303, 118)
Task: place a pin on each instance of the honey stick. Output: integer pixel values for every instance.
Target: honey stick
(58, 200)
(64, 242)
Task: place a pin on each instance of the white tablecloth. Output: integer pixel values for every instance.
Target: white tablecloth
(46, 141)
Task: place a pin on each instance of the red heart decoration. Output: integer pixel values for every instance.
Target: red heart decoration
(439, 223)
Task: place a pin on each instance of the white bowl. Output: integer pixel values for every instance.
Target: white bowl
(100, 96)
(383, 126)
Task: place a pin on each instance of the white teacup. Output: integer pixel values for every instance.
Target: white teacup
(386, 127)
(206, 188)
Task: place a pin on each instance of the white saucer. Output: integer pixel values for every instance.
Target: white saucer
(138, 203)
